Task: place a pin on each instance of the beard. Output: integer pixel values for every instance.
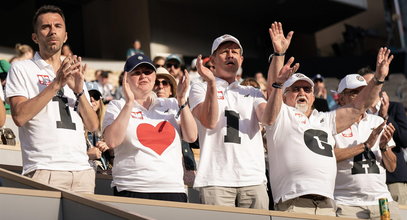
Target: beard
(301, 107)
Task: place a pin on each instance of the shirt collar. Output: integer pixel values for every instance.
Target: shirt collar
(39, 61)
(223, 83)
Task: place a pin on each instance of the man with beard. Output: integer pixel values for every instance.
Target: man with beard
(231, 169)
(50, 105)
(300, 139)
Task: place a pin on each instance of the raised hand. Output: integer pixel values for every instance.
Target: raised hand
(386, 135)
(183, 88)
(77, 78)
(280, 43)
(374, 135)
(205, 73)
(382, 63)
(64, 72)
(287, 71)
(127, 92)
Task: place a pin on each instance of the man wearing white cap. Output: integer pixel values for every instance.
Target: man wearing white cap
(300, 139)
(231, 170)
(363, 156)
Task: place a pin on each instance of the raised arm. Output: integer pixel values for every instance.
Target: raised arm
(348, 114)
(24, 109)
(280, 46)
(207, 111)
(88, 115)
(115, 133)
(275, 99)
(188, 125)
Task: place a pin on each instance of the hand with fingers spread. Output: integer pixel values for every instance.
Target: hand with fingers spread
(387, 134)
(205, 73)
(382, 64)
(287, 71)
(127, 92)
(183, 88)
(374, 135)
(280, 43)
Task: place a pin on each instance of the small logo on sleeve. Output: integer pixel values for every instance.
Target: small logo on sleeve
(220, 95)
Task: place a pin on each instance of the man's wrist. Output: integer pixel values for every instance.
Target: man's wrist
(384, 149)
(377, 81)
(277, 85)
(275, 54)
(366, 146)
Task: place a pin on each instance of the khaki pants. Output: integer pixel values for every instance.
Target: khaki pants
(82, 181)
(367, 212)
(246, 197)
(307, 206)
(398, 192)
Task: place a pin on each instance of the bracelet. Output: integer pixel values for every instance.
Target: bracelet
(78, 95)
(366, 147)
(377, 81)
(275, 54)
(180, 109)
(277, 85)
(384, 149)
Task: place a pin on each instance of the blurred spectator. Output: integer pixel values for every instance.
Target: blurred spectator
(173, 64)
(159, 61)
(259, 77)
(135, 49)
(321, 93)
(107, 88)
(98, 151)
(249, 81)
(118, 94)
(4, 68)
(165, 85)
(66, 50)
(23, 52)
(193, 73)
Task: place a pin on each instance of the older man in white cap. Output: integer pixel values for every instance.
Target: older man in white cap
(231, 170)
(363, 158)
(300, 139)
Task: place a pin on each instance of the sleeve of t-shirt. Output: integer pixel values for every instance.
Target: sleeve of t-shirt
(331, 116)
(112, 111)
(197, 94)
(258, 97)
(16, 85)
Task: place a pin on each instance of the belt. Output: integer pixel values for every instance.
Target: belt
(313, 197)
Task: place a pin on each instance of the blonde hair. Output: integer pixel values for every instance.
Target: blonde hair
(22, 49)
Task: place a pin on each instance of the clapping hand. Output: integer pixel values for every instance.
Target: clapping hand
(205, 73)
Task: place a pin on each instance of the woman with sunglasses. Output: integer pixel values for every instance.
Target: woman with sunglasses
(145, 133)
(98, 151)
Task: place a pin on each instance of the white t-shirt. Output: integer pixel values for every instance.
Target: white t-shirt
(150, 157)
(361, 181)
(232, 154)
(300, 152)
(54, 138)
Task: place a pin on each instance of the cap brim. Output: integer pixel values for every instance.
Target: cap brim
(143, 62)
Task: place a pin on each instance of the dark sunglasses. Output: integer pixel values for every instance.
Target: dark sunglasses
(138, 72)
(164, 82)
(307, 89)
(210, 67)
(169, 65)
(157, 65)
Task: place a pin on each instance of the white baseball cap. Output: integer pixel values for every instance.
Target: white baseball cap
(225, 38)
(351, 81)
(296, 77)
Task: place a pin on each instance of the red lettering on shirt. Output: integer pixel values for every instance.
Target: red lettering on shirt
(347, 133)
(301, 118)
(137, 115)
(220, 95)
(44, 79)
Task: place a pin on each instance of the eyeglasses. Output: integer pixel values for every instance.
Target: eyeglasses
(158, 65)
(210, 67)
(307, 89)
(138, 72)
(352, 92)
(164, 82)
(169, 65)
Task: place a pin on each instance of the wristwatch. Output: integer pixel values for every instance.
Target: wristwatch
(384, 149)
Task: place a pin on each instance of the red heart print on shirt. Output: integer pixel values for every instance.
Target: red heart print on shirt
(157, 138)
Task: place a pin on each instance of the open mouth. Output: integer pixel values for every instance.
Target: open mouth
(301, 100)
(230, 63)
